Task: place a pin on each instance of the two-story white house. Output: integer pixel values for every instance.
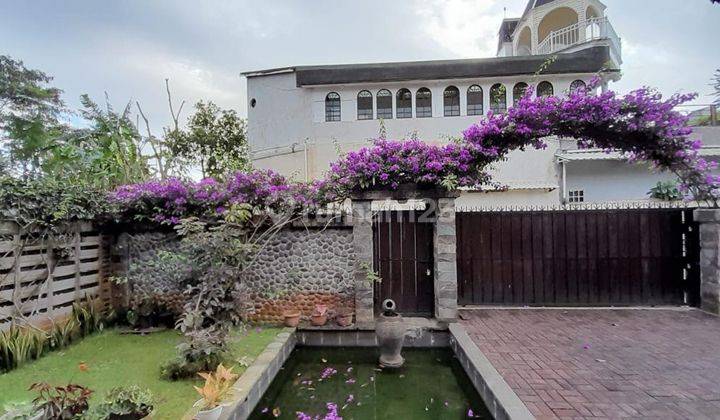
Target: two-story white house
(299, 117)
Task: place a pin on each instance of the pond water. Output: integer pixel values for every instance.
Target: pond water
(331, 383)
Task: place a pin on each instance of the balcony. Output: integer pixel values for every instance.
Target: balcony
(580, 33)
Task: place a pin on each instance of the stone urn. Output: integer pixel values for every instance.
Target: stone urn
(390, 332)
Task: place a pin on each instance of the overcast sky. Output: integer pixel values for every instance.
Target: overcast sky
(128, 48)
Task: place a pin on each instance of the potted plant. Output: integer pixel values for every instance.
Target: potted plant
(344, 317)
(319, 315)
(217, 384)
(291, 317)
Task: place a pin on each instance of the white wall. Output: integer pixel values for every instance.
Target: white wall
(285, 114)
(613, 180)
(282, 114)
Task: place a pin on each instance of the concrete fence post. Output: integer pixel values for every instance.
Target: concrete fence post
(709, 220)
(445, 250)
(363, 245)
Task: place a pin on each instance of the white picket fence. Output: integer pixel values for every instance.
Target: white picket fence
(38, 284)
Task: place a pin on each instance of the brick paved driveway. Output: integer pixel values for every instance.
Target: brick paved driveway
(589, 363)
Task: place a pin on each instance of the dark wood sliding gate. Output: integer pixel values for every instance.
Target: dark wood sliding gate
(403, 257)
(578, 257)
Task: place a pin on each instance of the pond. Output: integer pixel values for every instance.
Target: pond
(330, 383)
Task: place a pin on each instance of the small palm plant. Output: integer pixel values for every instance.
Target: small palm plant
(217, 384)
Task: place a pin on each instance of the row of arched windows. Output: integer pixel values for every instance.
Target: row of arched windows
(423, 101)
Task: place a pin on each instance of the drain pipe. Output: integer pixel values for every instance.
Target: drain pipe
(564, 182)
(305, 152)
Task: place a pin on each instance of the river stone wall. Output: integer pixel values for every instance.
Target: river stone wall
(297, 269)
(300, 268)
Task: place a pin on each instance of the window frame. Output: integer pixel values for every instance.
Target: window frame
(574, 85)
(576, 196)
(516, 96)
(423, 111)
(383, 113)
(451, 110)
(502, 107)
(331, 114)
(362, 113)
(540, 87)
(405, 111)
(472, 108)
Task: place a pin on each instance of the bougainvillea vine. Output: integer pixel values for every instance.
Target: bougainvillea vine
(640, 124)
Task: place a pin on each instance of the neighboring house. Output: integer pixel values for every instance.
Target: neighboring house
(300, 117)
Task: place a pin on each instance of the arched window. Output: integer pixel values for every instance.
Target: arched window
(384, 104)
(498, 98)
(577, 85)
(423, 103)
(451, 101)
(403, 104)
(332, 107)
(545, 89)
(474, 100)
(519, 91)
(364, 105)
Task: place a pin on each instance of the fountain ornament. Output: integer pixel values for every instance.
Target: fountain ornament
(390, 331)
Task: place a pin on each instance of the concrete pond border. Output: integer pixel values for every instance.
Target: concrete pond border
(500, 399)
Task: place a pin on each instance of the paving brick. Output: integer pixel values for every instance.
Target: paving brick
(597, 363)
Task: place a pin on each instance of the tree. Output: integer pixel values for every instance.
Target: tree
(29, 110)
(214, 139)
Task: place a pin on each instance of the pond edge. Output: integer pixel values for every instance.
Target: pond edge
(500, 399)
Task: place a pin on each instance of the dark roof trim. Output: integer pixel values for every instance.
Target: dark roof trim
(590, 60)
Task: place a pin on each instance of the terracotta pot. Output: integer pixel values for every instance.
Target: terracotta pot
(318, 320)
(344, 320)
(292, 318)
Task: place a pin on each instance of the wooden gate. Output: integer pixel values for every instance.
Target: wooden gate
(403, 257)
(578, 257)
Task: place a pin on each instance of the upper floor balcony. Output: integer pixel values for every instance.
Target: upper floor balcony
(559, 26)
(573, 37)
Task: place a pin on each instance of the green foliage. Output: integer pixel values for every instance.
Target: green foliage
(29, 110)
(215, 139)
(665, 190)
(130, 403)
(114, 358)
(61, 402)
(48, 202)
(110, 151)
(210, 258)
(20, 411)
(371, 276)
(19, 345)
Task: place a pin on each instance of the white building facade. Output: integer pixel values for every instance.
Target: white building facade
(300, 117)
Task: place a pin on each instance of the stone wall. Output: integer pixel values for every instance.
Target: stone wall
(297, 269)
(300, 268)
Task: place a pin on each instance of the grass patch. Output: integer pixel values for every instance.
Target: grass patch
(114, 360)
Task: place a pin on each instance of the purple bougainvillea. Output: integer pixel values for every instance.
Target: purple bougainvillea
(640, 124)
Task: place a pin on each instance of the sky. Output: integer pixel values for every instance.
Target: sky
(127, 48)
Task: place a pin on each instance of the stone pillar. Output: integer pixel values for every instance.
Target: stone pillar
(445, 261)
(709, 220)
(363, 245)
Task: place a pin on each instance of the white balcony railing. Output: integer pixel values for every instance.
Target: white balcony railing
(578, 33)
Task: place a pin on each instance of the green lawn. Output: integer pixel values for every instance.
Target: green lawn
(114, 359)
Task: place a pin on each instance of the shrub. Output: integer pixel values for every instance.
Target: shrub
(127, 403)
(20, 411)
(60, 402)
(204, 349)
